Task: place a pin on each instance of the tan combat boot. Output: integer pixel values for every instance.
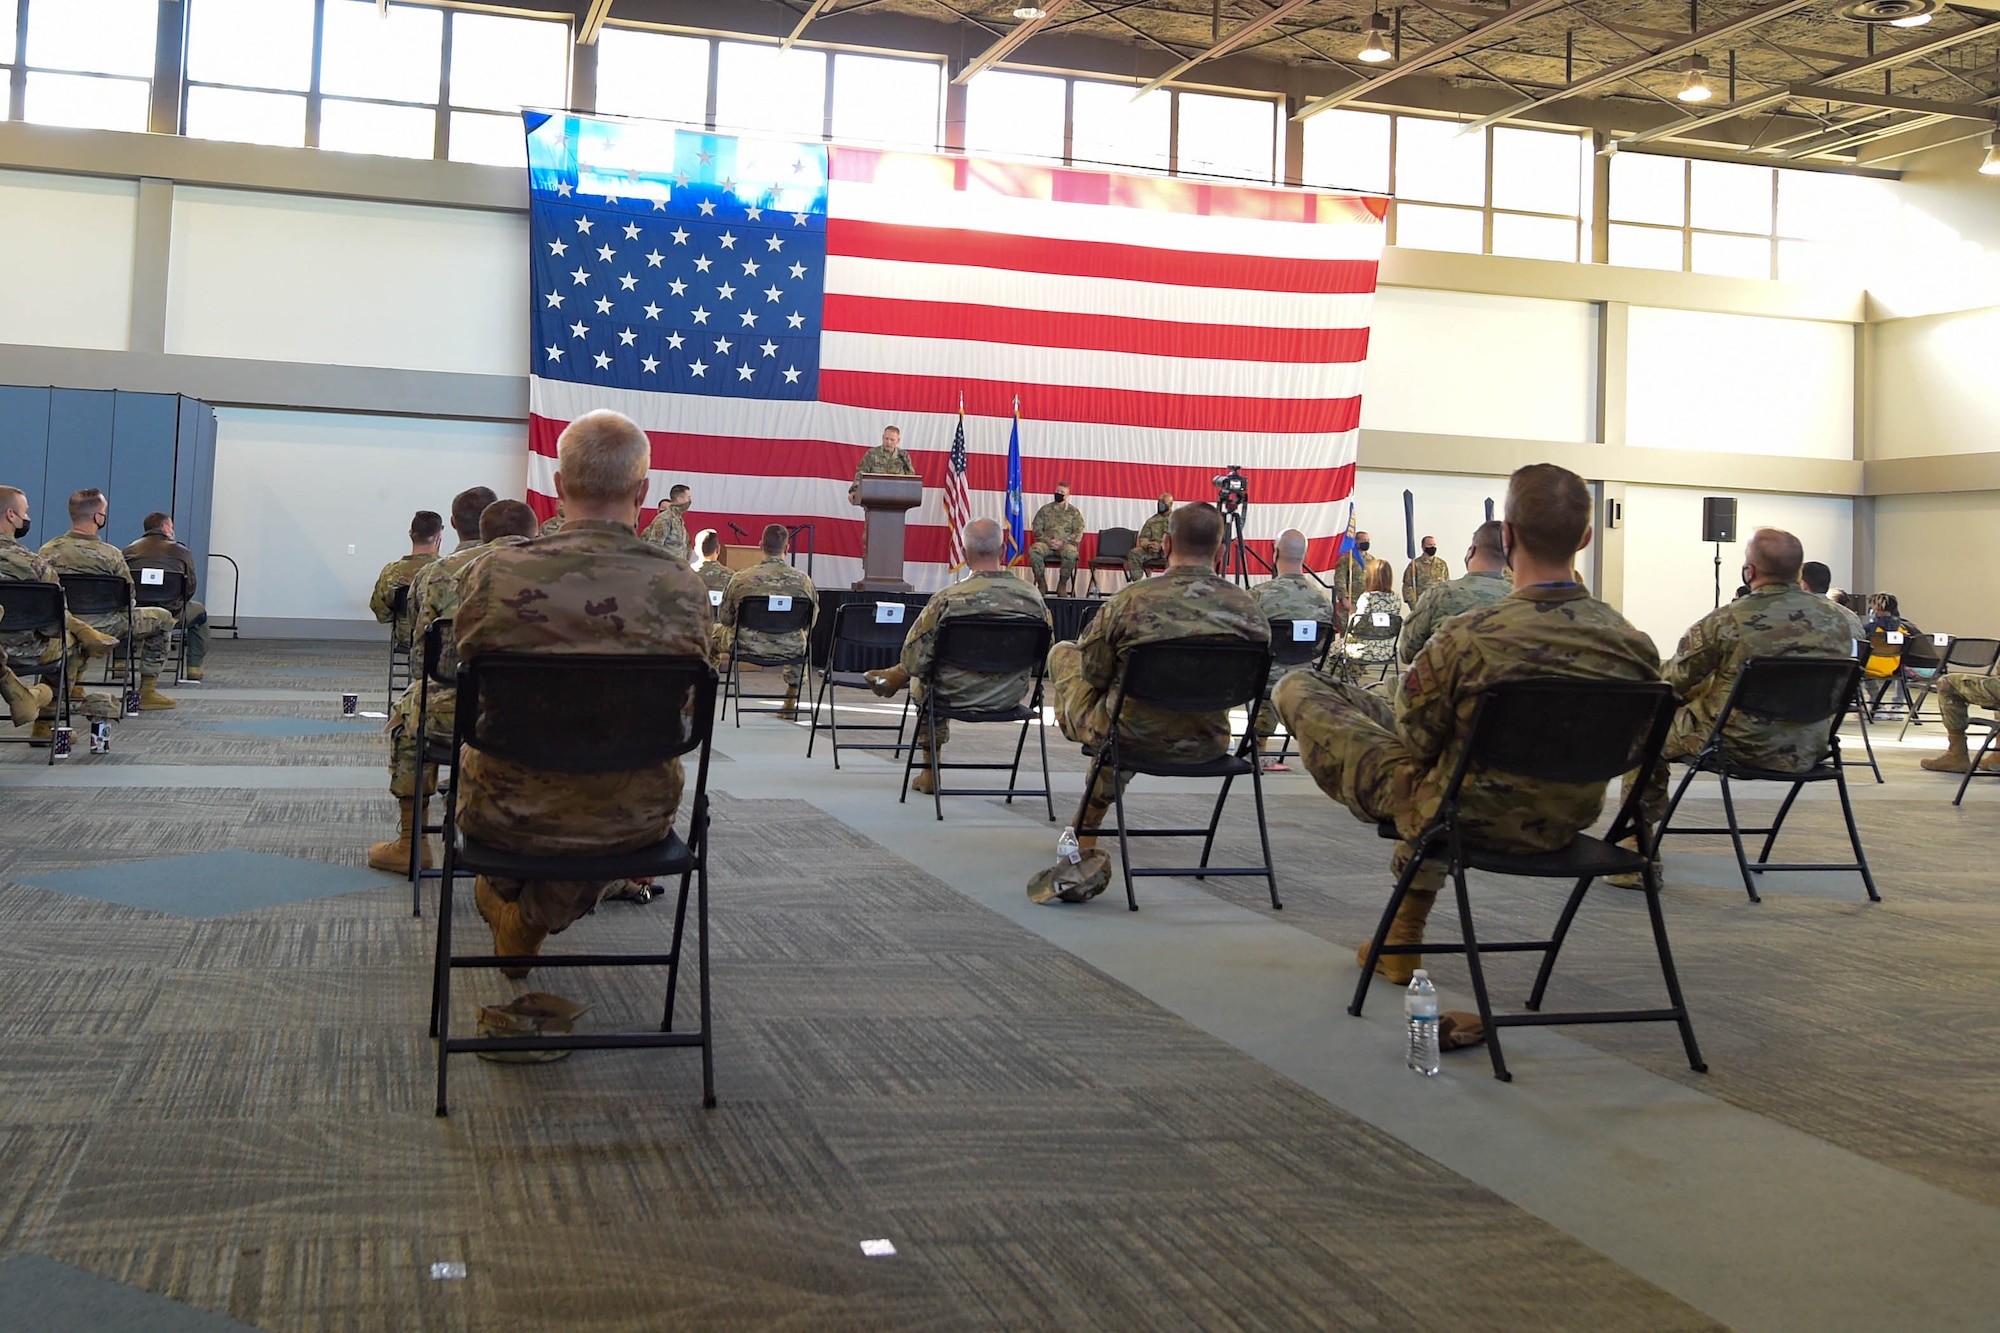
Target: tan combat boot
(191, 673)
(1954, 759)
(1407, 928)
(394, 856)
(920, 781)
(24, 702)
(512, 937)
(92, 640)
(788, 711)
(887, 681)
(150, 698)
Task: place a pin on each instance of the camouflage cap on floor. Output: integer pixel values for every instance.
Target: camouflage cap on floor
(1078, 883)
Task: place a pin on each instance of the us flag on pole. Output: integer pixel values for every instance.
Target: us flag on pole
(764, 309)
(957, 497)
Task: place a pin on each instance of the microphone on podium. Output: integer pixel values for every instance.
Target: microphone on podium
(738, 531)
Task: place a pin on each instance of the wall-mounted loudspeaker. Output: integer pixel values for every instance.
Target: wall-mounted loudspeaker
(1718, 518)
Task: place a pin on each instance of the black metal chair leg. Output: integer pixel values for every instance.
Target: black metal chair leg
(1854, 839)
(1474, 966)
(1668, 972)
(441, 1018)
(1014, 774)
(1736, 839)
(1785, 809)
(1214, 823)
(931, 760)
(1124, 841)
(674, 972)
(1264, 833)
(1381, 935)
(1556, 940)
(707, 1027)
(1680, 791)
(1972, 765)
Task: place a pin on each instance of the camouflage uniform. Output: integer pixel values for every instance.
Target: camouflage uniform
(884, 459)
(71, 554)
(435, 594)
(551, 524)
(1423, 574)
(983, 593)
(1958, 692)
(668, 531)
(767, 577)
(1289, 597)
(594, 587)
(716, 575)
(1781, 620)
(156, 550)
(1852, 621)
(1466, 593)
(1376, 651)
(19, 564)
(1350, 576)
(1386, 765)
(1056, 522)
(398, 573)
(1151, 544)
(1183, 603)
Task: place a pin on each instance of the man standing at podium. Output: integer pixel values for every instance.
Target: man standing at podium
(887, 456)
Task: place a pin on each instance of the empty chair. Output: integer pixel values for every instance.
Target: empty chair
(1113, 546)
(1555, 730)
(867, 636)
(1188, 676)
(1803, 691)
(582, 714)
(1974, 657)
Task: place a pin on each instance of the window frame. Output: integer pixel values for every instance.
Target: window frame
(16, 72)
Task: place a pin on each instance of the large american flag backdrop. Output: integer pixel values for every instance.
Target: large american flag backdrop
(763, 309)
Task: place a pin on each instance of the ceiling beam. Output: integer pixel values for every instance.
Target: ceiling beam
(1238, 35)
(813, 11)
(1869, 65)
(1433, 55)
(1604, 78)
(1006, 46)
(1819, 92)
(593, 22)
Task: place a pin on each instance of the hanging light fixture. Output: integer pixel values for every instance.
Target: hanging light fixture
(1991, 166)
(1375, 50)
(1913, 21)
(1695, 88)
(1026, 12)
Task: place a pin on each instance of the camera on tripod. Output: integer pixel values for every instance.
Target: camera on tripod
(1232, 490)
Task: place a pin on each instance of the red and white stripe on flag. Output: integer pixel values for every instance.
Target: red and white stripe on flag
(1155, 330)
(957, 495)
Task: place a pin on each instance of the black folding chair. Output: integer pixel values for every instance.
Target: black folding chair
(1290, 650)
(863, 641)
(38, 608)
(587, 713)
(1961, 657)
(88, 595)
(400, 632)
(1891, 643)
(1187, 676)
(157, 585)
(755, 613)
(1373, 627)
(440, 663)
(1549, 730)
(1802, 691)
(1973, 769)
(995, 645)
(1113, 545)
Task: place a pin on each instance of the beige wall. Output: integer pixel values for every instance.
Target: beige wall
(1940, 555)
(1936, 385)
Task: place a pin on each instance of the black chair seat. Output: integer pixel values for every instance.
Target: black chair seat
(669, 857)
(853, 680)
(1585, 856)
(770, 659)
(1745, 773)
(944, 712)
(436, 751)
(1223, 766)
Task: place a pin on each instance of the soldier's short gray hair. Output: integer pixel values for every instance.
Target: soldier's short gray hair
(983, 538)
(1291, 544)
(602, 455)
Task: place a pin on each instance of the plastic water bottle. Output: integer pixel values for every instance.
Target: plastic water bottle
(1068, 849)
(1421, 1004)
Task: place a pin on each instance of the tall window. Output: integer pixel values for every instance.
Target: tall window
(763, 89)
(1112, 128)
(883, 101)
(1193, 134)
(89, 63)
(1743, 221)
(1015, 115)
(652, 74)
(502, 65)
(249, 66)
(380, 74)
(1232, 137)
(1506, 191)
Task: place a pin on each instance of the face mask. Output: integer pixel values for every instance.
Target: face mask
(1164, 508)
(100, 520)
(1361, 547)
(1060, 497)
(21, 532)
(1430, 550)
(681, 506)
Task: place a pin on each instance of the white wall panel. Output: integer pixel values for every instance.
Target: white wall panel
(347, 282)
(1937, 385)
(294, 489)
(1940, 555)
(1670, 571)
(1457, 363)
(1739, 384)
(66, 247)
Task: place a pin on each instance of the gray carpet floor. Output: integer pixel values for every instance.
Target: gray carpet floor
(236, 1112)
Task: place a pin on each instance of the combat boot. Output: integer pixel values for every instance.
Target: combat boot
(788, 711)
(921, 781)
(1407, 928)
(44, 729)
(1954, 759)
(512, 937)
(888, 681)
(150, 698)
(93, 641)
(24, 702)
(394, 856)
(191, 673)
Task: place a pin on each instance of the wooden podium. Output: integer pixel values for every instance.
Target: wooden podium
(885, 496)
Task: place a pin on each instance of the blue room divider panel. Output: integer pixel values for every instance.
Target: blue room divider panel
(194, 479)
(24, 446)
(79, 453)
(143, 430)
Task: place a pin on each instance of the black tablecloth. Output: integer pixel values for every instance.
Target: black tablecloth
(1070, 614)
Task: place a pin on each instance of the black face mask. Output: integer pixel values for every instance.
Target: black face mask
(100, 520)
(1060, 497)
(1361, 547)
(21, 533)
(1164, 508)
(1430, 550)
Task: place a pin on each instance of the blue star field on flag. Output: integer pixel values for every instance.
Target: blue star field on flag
(674, 261)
